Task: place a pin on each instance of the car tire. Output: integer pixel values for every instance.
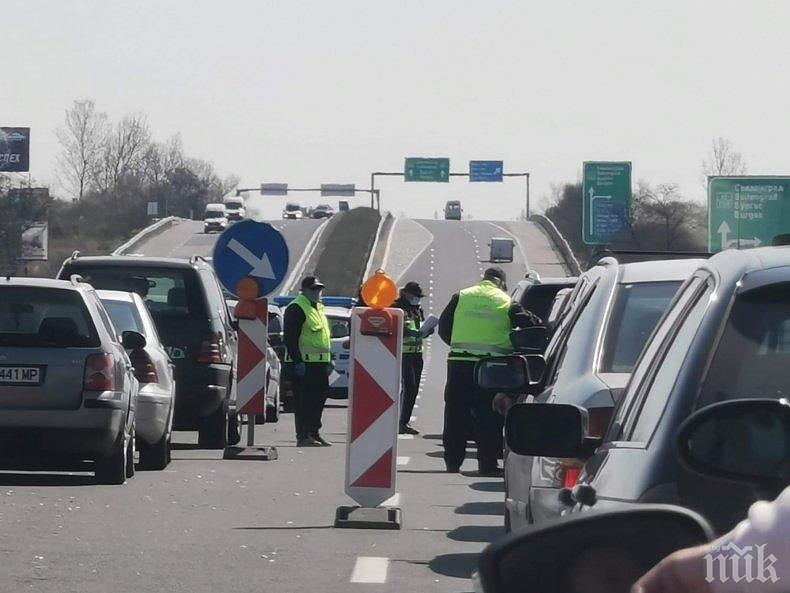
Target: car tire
(155, 457)
(112, 470)
(272, 414)
(213, 429)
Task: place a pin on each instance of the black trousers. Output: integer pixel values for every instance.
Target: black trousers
(309, 398)
(411, 373)
(467, 410)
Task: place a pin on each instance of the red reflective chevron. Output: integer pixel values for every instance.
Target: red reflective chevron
(251, 361)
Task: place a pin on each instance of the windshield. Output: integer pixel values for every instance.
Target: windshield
(124, 316)
(233, 205)
(211, 214)
(45, 317)
(291, 207)
(753, 355)
(635, 313)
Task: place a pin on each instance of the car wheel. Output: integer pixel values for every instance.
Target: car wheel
(213, 429)
(112, 469)
(272, 414)
(156, 456)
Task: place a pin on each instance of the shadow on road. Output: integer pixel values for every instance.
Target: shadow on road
(282, 527)
(497, 486)
(46, 479)
(460, 566)
(482, 534)
(184, 447)
(481, 508)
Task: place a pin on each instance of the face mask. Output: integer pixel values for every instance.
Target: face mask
(312, 294)
(414, 301)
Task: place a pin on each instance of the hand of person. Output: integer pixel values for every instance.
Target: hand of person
(329, 368)
(501, 403)
(681, 572)
(300, 369)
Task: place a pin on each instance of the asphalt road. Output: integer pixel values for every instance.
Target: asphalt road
(210, 525)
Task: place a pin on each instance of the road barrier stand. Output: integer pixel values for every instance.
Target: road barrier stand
(252, 316)
(373, 409)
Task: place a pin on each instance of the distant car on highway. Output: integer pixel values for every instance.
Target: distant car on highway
(67, 390)
(453, 210)
(235, 208)
(322, 211)
(293, 211)
(588, 362)
(215, 218)
(154, 371)
(191, 317)
(343, 206)
(725, 337)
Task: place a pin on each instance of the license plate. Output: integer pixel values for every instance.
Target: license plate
(20, 375)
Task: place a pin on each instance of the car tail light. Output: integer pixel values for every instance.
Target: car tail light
(99, 373)
(210, 351)
(571, 476)
(144, 368)
(347, 345)
(598, 421)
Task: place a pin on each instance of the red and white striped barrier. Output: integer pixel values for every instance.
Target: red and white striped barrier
(253, 333)
(374, 405)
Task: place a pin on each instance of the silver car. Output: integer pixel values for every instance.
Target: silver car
(67, 390)
(153, 370)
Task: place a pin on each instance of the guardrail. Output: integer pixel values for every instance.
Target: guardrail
(145, 233)
(559, 241)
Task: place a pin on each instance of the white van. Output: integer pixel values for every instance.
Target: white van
(235, 208)
(215, 218)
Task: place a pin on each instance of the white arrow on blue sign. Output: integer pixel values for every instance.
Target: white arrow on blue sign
(251, 249)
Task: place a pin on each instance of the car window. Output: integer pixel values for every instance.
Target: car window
(635, 312)
(167, 292)
(564, 335)
(668, 366)
(216, 302)
(645, 361)
(339, 327)
(124, 316)
(101, 311)
(275, 325)
(757, 337)
(538, 299)
(45, 317)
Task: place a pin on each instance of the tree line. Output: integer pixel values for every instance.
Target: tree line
(660, 217)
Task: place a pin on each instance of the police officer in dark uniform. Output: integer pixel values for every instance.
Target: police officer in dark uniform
(412, 363)
(308, 359)
(475, 324)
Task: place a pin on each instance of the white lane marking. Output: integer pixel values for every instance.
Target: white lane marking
(385, 259)
(393, 500)
(405, 437)
(411, 263)
(403, 460)
(370, 569)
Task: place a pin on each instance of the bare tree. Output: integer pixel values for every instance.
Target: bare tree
(82, 139)
(665, 212)
(124, 151)
(723, 159)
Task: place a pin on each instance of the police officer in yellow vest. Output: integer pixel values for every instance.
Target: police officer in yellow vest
(308, 360)
(476, 323)
(412, 363)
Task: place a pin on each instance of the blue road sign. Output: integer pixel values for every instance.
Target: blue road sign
(485, 170)
(253, 249)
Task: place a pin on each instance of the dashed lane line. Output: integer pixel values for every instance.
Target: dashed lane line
(370, 569)
(402, 461)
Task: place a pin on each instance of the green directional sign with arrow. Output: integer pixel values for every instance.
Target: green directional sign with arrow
(747, 211)
(606, 201)
(427, 169)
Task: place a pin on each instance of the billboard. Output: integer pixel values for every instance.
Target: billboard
(35, 240)
(14, 150)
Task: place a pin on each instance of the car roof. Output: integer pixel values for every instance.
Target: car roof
(659, 270)
(116, 295)
(567, 280)
(337, 312)
(136, 261)
(732, 264)
(43, 283)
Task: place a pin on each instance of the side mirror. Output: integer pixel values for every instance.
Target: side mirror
(549, 430)
(530, 339)
(503, 374)
(746, 440)
(590, 552)
(132, 340)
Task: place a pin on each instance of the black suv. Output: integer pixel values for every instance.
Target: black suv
(190, 313)
(537, 295)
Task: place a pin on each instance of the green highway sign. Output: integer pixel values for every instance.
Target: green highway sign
(432, 169)
(747, 211)
(606, 201)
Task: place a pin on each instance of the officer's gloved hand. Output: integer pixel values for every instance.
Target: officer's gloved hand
(300, 369)
(329, 368)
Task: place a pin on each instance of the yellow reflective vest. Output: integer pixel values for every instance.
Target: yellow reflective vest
(481, 324)
(315, 340)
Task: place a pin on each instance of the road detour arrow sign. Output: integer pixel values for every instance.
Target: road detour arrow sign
(373, 410)
(251, 249)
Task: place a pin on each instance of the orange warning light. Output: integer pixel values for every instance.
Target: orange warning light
(247, 289)
(379, 291)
